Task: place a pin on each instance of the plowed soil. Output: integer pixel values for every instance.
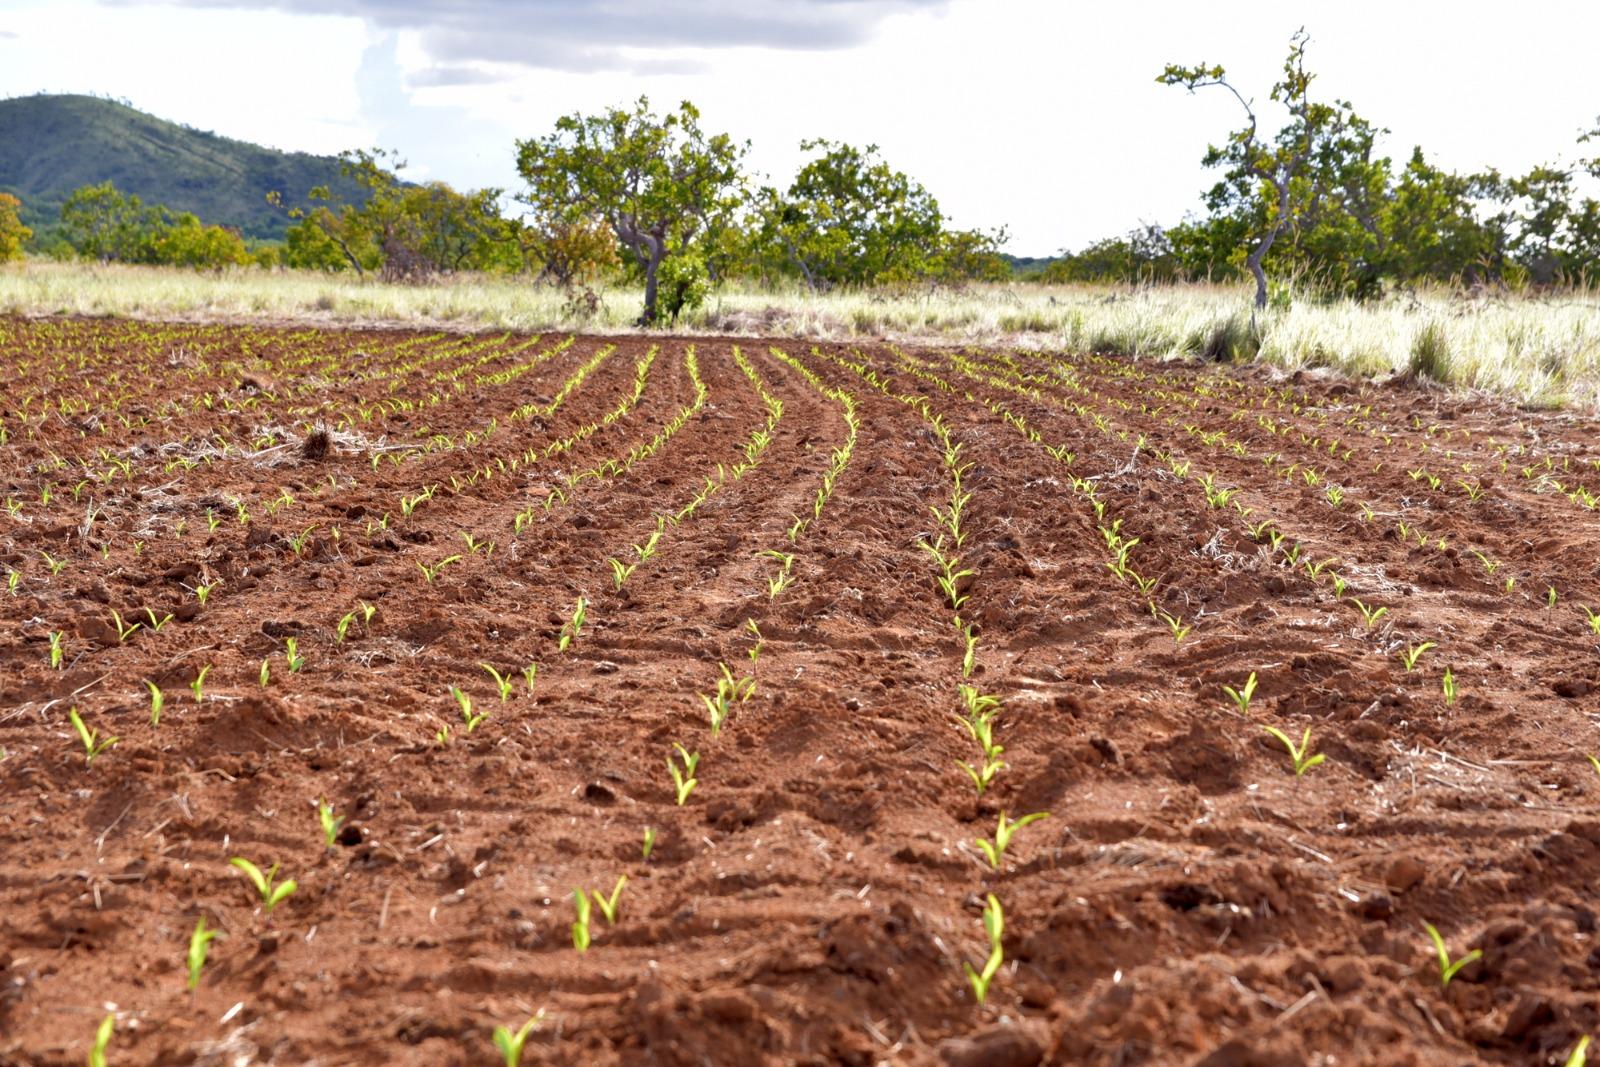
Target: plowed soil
(1189, 899)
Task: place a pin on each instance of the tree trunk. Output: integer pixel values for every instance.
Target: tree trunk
(651, 269)
(1253, 261)
(1259, 253)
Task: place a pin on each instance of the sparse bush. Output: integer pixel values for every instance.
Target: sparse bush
(1430, 357)
(1230, 340)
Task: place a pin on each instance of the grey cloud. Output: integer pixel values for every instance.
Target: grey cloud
(591, 35)
(10, 35)
(440, 77)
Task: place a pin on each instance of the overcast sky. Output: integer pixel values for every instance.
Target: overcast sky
(1040, 115)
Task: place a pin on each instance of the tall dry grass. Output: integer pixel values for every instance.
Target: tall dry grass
(1542, 349)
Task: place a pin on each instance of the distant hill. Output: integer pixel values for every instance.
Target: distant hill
(52, 145)
(1028, 266)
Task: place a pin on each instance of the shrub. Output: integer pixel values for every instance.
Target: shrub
(1430, 354)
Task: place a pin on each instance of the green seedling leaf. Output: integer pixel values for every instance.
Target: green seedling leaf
(683, 779)
(124, 630)
(1298, 753)
(510, 1043)
(1410, 656)
(198, 685)
(1241, 696)
(994, 926)
(271, 894)
(102, 1040)
(468, 716)
(610, 906)
(1371, 615)
(199, 948)
(93, 743)
(1447, 968)
(1004, 830)
(501, 681)
(330, 823)
(580, 928)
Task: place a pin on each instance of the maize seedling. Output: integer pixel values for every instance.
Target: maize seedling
(432, 572)
(198, 686)
(729, 690)
(1176, 625)
(271, 894)
(1303, 762)
(468, 716)
(93, 742)
(330, 823)
(983, 775)
(683, 781)
(1372, 615)
(510, 1044)
(1411, 654)
(610, 906)
(1003, 832)
(580, 928)
(574, 626)
(502, 682)
(1241, 697)
(1448, 968)
(125, 631)
(102, 1039)
(199, 948)
(994, 926)
(620, 570)
(157, 699)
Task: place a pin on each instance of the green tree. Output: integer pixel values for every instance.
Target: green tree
(849, 218)
(971, 255)
(1145, 254)
(100, 223)
(656, 181)
(308, 244)
(1266, 178)
(187, 242)
(1429, 226)
(563, 251)
(13, 234)
(406, 231)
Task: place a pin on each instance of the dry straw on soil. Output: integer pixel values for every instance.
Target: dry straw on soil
(1542, 350)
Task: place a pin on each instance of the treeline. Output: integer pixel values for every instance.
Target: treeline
(1420, 224)
(1317, 204)
(625, 194)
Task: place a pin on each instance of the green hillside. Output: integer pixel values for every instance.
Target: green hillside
(51, 145)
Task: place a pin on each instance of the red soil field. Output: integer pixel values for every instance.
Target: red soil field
(1120, 540)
